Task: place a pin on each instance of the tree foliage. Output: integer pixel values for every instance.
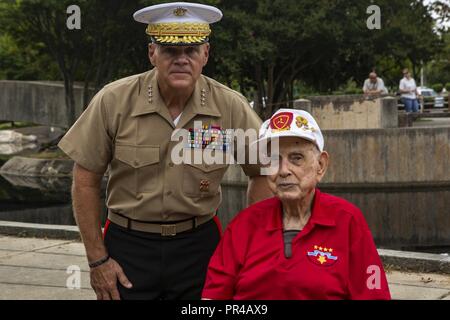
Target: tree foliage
(271, 50)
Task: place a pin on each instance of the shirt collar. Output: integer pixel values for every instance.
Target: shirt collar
(321, 214)
(201, 101)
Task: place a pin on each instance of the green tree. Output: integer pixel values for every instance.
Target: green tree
(95, 54)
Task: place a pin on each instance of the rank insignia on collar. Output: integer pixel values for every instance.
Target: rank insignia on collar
(322, 256)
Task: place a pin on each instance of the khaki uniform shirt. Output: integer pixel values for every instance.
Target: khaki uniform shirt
(127, 129)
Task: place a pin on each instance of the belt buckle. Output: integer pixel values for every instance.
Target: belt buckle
(168, 230)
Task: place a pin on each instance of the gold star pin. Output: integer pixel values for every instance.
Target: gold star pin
(322, 259)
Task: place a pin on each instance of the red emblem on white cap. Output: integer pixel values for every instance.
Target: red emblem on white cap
(282, 121)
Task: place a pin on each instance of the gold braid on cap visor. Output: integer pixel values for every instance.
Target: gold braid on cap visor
(179, 33)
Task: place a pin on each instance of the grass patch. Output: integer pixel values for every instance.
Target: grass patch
(424, 120)
(8, 125)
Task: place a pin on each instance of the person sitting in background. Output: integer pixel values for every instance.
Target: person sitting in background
(374, 85)
(302, 243)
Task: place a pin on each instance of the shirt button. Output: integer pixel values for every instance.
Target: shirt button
(136, 162)
(171, 164)
(169, 193)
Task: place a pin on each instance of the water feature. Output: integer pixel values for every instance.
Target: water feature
(416, 219)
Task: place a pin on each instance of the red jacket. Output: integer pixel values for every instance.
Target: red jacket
(333, 257)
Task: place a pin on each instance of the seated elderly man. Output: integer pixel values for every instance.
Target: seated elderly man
(302, 243)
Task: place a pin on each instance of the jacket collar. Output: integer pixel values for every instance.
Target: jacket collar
(201, 101)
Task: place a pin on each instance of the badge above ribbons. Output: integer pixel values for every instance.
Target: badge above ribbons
(322, 256)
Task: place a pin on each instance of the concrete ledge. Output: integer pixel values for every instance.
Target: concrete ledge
(415, 261)
(400, 260)
(37, 167)
(20, 229)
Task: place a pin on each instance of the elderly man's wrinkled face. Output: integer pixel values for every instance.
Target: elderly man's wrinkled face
(301, 167)
(179, 67)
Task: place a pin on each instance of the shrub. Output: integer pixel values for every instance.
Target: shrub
(437, 87)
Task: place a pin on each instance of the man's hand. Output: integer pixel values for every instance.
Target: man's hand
(104, 280)
(86, 204)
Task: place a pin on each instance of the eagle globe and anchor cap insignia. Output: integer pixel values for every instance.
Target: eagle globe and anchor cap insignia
(179, 12)
(322, 256)
(281, 122)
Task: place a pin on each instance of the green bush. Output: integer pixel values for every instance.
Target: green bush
(447, 86)
(350, 87)
(437, 87)
(353, 91)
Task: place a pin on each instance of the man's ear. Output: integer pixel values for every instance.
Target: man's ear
(324, 159)
(151, 53)
(206, 53)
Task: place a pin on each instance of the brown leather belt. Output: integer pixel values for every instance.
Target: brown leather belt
(164, 229)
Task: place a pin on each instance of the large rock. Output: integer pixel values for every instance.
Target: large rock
(37, 167)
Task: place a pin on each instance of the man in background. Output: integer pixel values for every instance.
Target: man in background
(374, 86)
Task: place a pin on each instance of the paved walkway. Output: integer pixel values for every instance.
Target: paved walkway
(38, 269)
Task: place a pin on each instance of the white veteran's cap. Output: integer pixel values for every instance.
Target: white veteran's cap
(292, 123)
(178, 23)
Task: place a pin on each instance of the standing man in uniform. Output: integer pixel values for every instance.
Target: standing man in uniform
(161, 228)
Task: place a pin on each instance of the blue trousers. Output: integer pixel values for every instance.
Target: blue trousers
(411, 105)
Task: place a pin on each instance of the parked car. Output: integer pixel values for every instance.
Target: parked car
(430, 97)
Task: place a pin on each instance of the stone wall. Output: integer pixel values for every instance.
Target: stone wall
(385, 157)
(37, 102)
(399, 178)
(351, 111)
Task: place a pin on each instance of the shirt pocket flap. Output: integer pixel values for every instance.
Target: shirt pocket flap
(208, 167)
(137, 156)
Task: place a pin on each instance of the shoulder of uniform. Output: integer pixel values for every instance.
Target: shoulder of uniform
(114, 90)
(124, 82)
(223, 89)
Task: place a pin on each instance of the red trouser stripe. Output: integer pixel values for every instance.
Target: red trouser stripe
(106, 228)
